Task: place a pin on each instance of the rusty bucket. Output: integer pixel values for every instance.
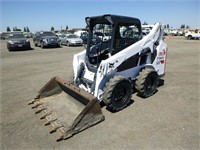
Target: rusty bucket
(66, 108)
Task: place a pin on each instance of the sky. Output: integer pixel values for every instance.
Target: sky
(40, 15)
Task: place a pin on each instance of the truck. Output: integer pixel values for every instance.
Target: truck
(192, 34)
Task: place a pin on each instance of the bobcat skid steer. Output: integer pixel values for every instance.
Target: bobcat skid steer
(117, 61)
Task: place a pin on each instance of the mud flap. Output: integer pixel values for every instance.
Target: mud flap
(66, 108)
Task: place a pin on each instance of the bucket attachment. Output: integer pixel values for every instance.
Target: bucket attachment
(66, 108)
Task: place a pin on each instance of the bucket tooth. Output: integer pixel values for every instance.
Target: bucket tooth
(61, 134)
(36, 104)
(60, 138)
(55, 126)
(46, 113)
(41, 108)
(33, 101)
(50, 119)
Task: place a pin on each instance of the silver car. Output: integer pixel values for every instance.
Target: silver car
(62, 38)
(71, 40)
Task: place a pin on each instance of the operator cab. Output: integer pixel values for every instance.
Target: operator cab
(108, 35)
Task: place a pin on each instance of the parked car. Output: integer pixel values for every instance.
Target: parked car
(5, 35)
(79, 33)
(103, 36)
(72, 40)
(180, 32)
(27, 34)
(192, 35)
(62, 39)
(46, 39)
(84, 37)
(173, 32)
(17, 41)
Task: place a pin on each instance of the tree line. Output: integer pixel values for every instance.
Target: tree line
(183, 26)
(26, 29)
(53, 29)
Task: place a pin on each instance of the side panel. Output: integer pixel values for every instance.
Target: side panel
(78, 59)
(160, 60)
(130, 73)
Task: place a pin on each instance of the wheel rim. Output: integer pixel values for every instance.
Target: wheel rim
(151, 83)
(120, 94)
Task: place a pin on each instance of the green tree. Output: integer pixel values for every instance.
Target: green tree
(52, 28)
(182, 26)
(67, 27)
(14, 28)
(187, 27)
(18, 30)
(167, 26)
(25, 29)
(8, 29)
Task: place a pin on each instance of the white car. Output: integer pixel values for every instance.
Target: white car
(192, 35)
(72, 40)
(173, 32)
(103, 36)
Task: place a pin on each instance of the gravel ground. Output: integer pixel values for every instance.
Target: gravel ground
(167, 120)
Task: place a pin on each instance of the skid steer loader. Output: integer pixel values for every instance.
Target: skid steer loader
(117, 61)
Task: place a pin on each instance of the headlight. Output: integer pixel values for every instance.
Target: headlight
(45, 40)
(11, 42)
(27, 40)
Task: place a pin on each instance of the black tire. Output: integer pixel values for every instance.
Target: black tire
(146, 82)
(117, 93)
(29, 46)
(189, 37)
(35, 44)
(59, 45)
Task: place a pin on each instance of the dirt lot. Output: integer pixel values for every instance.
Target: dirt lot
(168, 120)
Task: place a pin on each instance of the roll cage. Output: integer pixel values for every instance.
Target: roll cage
(117, 33)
